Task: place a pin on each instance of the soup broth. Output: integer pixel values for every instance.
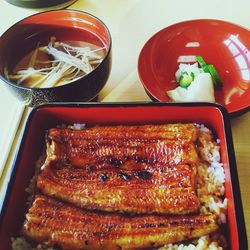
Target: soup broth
(55, 57)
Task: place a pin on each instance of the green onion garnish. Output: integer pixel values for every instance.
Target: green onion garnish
(209, 68)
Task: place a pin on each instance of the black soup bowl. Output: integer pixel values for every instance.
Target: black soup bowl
(23, 38)
(41, 3)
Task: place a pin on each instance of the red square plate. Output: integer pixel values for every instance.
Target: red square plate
(45, 117)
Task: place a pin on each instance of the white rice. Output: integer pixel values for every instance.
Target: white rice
(32, 185)
(204, 243)
(210, 189)
(21, 243)
(78, 126)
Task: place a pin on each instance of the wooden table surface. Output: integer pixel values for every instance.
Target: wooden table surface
(241, 137)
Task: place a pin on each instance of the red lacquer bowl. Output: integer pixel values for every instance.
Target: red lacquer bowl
(223, 44)
(65, 25)
(12, 211)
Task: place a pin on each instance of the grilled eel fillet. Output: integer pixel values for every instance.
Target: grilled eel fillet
(55, 222)
(124, 168)
(163, 190)
(105, 146)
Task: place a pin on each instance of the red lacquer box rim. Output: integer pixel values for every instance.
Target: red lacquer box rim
(237, 203)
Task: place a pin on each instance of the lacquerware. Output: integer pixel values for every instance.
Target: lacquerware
(14, 41)
(223, 44)
(44, 117)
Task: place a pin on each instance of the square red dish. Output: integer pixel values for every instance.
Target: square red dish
(44, 117)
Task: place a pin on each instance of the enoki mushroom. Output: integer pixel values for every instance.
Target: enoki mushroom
(68, 64)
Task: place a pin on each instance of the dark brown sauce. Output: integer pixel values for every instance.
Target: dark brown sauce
(125, 176)
(143, 175)
(104, 177)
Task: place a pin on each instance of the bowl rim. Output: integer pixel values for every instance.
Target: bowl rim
(72, 82)
(239, 214)
(239, 111)
(34, 4)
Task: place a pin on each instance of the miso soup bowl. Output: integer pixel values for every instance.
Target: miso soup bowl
(18, 40)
